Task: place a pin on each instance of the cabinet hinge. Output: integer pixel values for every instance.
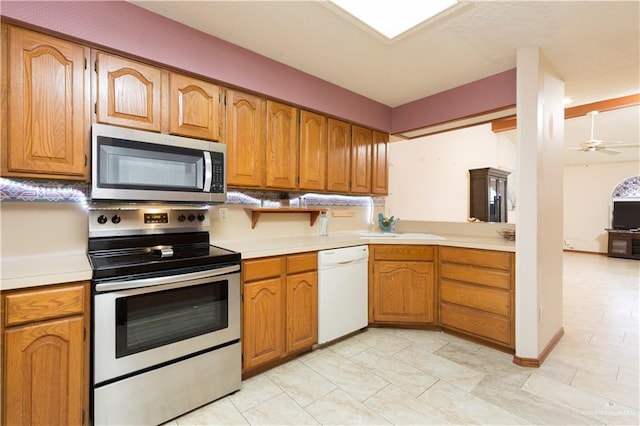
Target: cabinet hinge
(82, 416)
(84, 333)
(85, 160)
(95, 108)
(85, 63)
(95, 66)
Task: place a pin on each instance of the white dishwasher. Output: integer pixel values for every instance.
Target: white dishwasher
(342, 291)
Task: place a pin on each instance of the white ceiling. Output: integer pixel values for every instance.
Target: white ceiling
(593, 45)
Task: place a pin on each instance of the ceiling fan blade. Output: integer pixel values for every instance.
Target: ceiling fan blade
(624, 145)
(609, 151)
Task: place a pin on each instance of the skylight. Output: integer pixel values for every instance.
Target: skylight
(393, 17)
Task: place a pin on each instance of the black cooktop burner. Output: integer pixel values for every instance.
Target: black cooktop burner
(124, 256)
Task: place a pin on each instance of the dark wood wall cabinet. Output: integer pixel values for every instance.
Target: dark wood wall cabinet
(625, 244)
(488, 194)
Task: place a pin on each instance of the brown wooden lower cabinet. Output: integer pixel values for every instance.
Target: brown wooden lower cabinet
(46, 355)
(477, 294)
(280, 308)
(402, 284)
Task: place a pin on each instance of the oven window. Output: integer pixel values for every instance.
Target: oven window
(151, 320)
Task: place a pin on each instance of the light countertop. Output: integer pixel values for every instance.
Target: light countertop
(286, 245)
(30, 271)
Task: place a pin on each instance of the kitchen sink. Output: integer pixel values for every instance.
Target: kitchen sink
(401, 235)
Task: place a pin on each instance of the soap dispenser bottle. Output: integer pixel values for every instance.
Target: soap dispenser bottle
(324, 223)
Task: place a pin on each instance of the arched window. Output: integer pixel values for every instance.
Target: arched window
(628, 188)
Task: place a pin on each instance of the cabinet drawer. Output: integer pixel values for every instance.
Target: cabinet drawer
(403, 252)
(481, 324)
(484, 299)
(37, 305)
(472, 274)
(267, 267)
(485, 258)
(302, 262)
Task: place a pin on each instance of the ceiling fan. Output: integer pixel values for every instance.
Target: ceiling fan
(598, 145)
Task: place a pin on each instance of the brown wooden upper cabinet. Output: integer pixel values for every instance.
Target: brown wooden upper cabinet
(245, 139)
(45, 107)
(380, 164)
(361, 139)
(339, 156)
(129, 93)
(282, 146)
(194, 107)
(312, 165)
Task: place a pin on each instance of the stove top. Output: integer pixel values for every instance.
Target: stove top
(128, 242)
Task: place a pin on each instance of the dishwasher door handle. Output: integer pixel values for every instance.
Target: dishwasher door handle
(349, 262)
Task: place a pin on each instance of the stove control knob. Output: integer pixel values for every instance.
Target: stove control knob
(116, 219)
(102, 219)
(191, 218)
(201, 217)
(181, 218)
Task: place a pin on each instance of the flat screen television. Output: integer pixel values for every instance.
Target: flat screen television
(626, 215)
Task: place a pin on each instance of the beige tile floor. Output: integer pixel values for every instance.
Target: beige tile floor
(412, 377)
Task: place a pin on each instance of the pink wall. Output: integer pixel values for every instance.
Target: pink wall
(121, 26)
(488, 94)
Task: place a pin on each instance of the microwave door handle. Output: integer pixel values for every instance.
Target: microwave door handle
(208, 172)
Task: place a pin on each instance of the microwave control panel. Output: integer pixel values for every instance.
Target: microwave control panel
(217, 178)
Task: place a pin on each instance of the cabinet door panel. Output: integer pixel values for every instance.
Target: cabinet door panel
(339, 156)
(129, 93)
(45, 374)
(265, 267)
(48, 107)
(493, 327)
(302, 311)
(485, 258)
(245, 139)
(302, 262)
(404, 292)
(47, 303)
(380, 166)
(361, 160)
(472, 274)
(313, 151)
(282, 146)
(262, 338)
(488, 300)
(195, 107)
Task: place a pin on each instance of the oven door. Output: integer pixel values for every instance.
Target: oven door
(142, 328)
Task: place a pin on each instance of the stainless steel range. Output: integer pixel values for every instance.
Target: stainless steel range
(166, 314)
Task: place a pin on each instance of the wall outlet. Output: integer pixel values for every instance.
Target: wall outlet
(223, 213)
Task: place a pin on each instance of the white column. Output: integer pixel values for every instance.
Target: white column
(540, 134)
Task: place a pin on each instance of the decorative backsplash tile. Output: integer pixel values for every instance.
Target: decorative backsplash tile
(53, 191)
(628, 188)
(42, 191)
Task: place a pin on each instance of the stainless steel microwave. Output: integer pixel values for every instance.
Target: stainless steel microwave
(134, 165)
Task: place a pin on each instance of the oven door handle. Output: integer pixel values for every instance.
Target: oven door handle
(171, 279)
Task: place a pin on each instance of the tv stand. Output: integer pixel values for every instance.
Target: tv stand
(624, 243)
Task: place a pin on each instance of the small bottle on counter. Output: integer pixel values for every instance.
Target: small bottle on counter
(324, 224)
